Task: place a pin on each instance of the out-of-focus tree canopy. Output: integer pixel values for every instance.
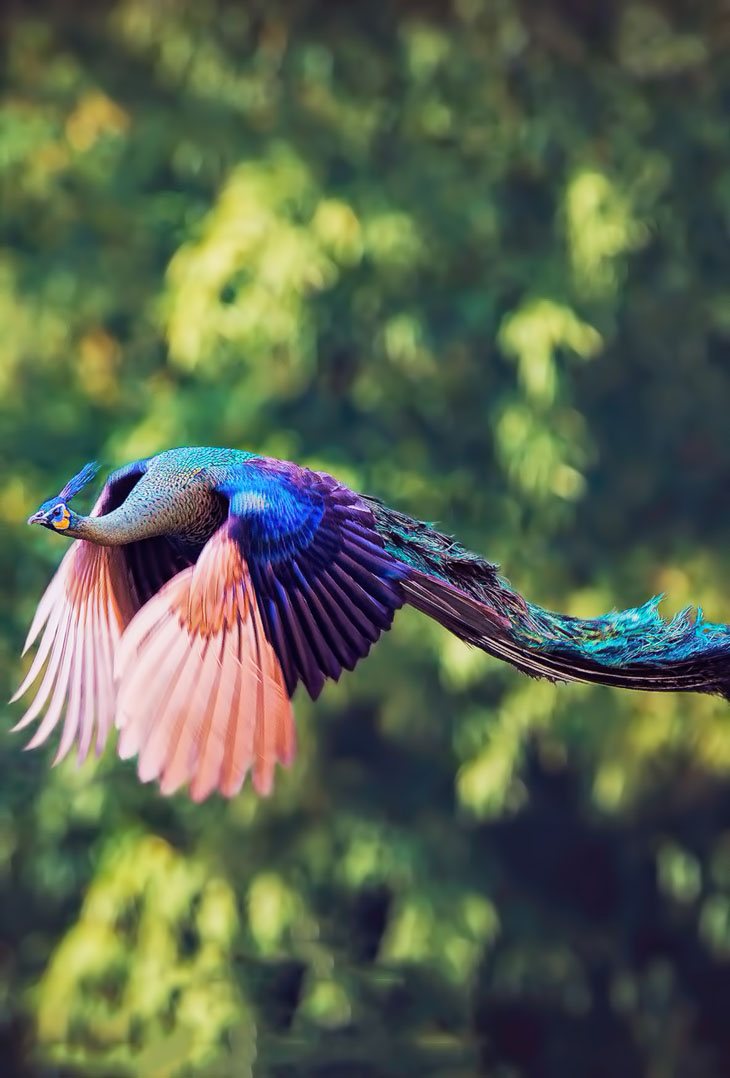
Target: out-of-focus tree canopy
(472, 258)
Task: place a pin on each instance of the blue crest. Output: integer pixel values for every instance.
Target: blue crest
(79, 481)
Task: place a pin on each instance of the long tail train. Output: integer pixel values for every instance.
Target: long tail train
(631, 649)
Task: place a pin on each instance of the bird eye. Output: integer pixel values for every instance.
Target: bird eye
(59, 511)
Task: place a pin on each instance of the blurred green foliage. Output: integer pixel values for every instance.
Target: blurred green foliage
(472, 258)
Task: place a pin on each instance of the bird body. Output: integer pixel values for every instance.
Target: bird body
(207, 583)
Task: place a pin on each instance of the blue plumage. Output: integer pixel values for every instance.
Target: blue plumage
(325, 585)
(79, 481)
(637, 635)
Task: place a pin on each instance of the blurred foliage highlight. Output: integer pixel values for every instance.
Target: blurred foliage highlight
(472, 258)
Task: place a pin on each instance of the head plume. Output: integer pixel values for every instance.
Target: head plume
(79, 481)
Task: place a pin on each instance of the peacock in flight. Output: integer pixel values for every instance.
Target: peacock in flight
(207, 583)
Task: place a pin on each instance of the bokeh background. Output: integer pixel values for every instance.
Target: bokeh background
(472, 257)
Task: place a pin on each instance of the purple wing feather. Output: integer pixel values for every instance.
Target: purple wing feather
(325, 585)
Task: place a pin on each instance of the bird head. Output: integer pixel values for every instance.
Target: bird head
(55, 513)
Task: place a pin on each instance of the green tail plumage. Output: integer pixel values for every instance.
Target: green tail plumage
(634, 649)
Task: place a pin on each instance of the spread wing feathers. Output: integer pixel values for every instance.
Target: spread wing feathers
(83, 614)
(325, 585)
(201, 695)
(84, 611)
(92, 597)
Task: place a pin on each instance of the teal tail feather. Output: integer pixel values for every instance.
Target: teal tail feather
(633, 649)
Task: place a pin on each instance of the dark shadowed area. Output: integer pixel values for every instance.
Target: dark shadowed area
(472, 258)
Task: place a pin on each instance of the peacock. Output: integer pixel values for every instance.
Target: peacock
(207, 583)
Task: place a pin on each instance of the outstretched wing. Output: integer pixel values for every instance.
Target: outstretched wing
(91, 599)
(295, 586)
(326, 587)
(83, 613)
(201, 697)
